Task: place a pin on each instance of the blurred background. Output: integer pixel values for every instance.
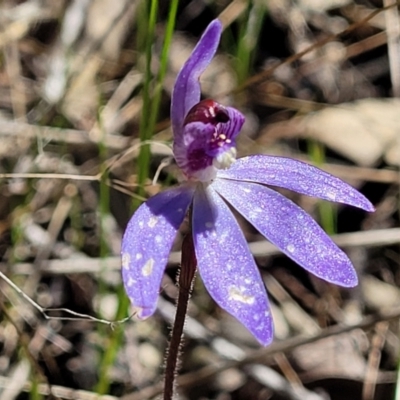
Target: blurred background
(85, 90)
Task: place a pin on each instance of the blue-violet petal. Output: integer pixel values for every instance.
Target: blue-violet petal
(226, 266)
(147, 243)
(291, 229)
(187, 90)
(297, 176)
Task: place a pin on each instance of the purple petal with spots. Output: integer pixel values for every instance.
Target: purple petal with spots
(226, 266)
(147, 243)
(290, 228)
(187, 90)
(297, 176)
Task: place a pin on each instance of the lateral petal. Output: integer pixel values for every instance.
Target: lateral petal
(187, 91)
(297, 176)
(291, 229)
(147, 243)
(226, 266)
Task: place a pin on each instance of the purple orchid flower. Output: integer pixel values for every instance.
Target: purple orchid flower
(204, 149)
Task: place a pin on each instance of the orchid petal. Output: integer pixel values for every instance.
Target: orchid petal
(291, 229)
(297, 176)
(226, 266)
(146, 244)
(187, 90)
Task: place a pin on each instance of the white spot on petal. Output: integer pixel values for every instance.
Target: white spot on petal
(331, 196)
(290, 248)
(158, 239)
(237, 294)
(152, 221)
(253, 215)
(126, 260)
(148, 267)
(139, 256)
(130, 282)
(318, 249)
(209, 225)
(224, 236)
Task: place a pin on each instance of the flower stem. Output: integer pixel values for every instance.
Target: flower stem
(186, 277)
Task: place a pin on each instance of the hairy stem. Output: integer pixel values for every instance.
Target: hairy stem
(186, 276)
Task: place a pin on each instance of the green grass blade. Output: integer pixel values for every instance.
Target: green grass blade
(326, 210)
(250, 30)
(145, 132)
